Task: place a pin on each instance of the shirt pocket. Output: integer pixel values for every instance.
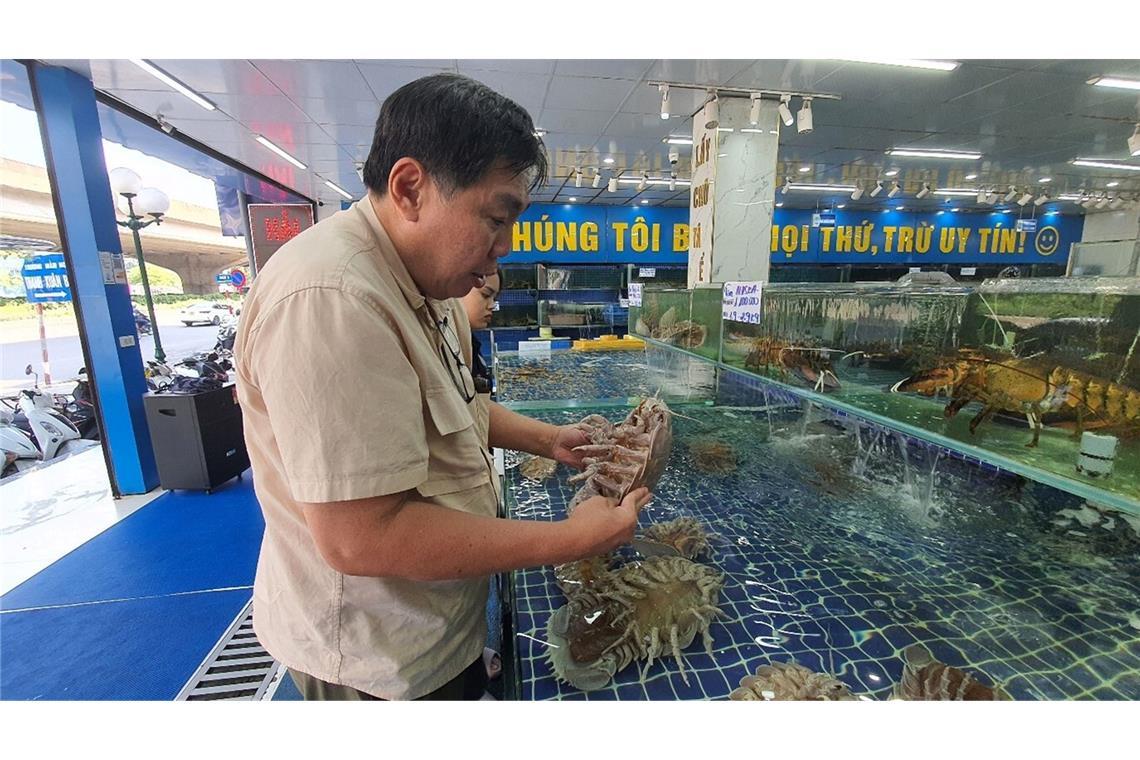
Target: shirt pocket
(448, 412)
(455, 459)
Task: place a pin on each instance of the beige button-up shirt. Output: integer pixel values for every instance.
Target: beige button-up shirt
(345, 394)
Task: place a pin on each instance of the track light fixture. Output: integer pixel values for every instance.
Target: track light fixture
(612, 185)
(1088, 201)
(1116, 203)
(992, 197)
(644, 183)
(1134, 142)
(1040, 199)
(878, 188)
(982, 195)
(803, 118)
(785, 110)
(1011, 194)
(1025, 198)
(857, 193)
(577, 178)
(925, 191)
(597, 180)
(673, 182)
(712, 111)
(664, 88)
(1102, 202)
(754, 114)
(895, 190)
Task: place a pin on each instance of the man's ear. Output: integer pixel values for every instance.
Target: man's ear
(407, 187)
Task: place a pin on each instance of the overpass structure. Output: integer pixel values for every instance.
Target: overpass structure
(189, 240)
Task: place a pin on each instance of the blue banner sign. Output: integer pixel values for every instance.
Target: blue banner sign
(901, 238)
(571, 234)
(45, 278)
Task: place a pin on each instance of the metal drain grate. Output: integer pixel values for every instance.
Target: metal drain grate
(237, 668)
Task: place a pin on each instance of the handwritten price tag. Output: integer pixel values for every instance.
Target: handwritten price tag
(741, 301)
(635, 294)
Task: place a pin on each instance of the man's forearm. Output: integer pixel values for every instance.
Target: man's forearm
(511, 430)
(426, 542)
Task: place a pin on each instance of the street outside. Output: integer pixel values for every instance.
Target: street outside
(20, 346)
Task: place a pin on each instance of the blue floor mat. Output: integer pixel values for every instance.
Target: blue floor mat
(140, 649)
(182, 541)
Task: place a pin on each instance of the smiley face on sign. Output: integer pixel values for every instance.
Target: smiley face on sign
(1047, 241)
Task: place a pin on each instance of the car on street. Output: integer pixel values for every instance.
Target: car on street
(206, 312)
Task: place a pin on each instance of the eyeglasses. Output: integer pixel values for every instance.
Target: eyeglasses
(453, 360)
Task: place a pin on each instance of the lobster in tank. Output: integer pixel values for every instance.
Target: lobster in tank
(1028, 387)
(811, 364)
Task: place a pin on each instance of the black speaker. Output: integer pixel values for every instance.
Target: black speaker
(198, 440)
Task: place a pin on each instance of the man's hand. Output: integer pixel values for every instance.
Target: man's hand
(566, 438)
(603, 524)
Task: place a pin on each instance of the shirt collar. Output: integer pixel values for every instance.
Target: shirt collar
(388, 253)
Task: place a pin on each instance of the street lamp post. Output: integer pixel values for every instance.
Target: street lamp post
(141, 202)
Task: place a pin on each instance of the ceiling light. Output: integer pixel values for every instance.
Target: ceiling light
(651, 181)
(597, 180)
(955, 209)
(891, 173)
(1088, 201)
(1116, 203)
(805, 169)
(912, 63)
(539, 132)
(1028, 196)
(754, 131)
(170, 81)
(671, 140)
(895, 189)
(857, 193)
(338, 189)
(577, 178)
(612, 185)
(919, 153)
(780, 204)
(573, 199)
(1011, 194)
(1112, 184)
(925, 191)
(842, 205)
(940, 213)
(971, 176)
(992, 196)
(1043, 180)
(1134, 142)
(955, 191)
(878, 188)
(664, 88)
(785, 110)
(644, 183)
(281, 153)
(754, 114)
(1096, 163)
(1040, 199)
(982, 195)
(712, 111)
(610, 160)
(812, 188)
(644, 202)
(1124, 84)
(1102, 202)
(803, 118)
(900, 208)
(672, 182)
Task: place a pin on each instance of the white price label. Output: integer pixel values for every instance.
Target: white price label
(915, 269)
(623, 303)
(741, 302)
(967, 271)
(635, 294)
(647, 272)
(534, 347)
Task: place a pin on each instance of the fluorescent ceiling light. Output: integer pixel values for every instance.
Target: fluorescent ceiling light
(842, 205)
(1043, 180)
(724, 129)
(955, 191)
(281, 153)
(1125, 84)
(573, 199)
(539, 132)
(338, 189)
(917, 153)
(1098, 164)
(170, 81)
(677, 140)
(1112, 184)
(754, 131)
(822, 188)
(912, 63)
(805, 169)
(780, 204)
(971, 176)
(891, 173)
(651, 181)
(609, 160)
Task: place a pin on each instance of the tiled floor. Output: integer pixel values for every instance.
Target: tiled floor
(48, 512)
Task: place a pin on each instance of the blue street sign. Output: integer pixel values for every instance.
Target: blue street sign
(237, 279)
(45, 279)
(223, 278)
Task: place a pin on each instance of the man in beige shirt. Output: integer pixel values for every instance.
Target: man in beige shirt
(353, 373)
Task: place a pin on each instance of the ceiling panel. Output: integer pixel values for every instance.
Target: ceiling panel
(697, 71)
(385, 78)
(514, 66)
(238, 77)
(344, 111)
(589, 93)
(611, 69)
(331, 80)
(261, 108)
(528, 90)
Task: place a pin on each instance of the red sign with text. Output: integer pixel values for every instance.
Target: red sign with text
(272, 225)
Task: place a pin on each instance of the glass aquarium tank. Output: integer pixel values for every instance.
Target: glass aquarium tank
(679, 317)
(797, 550)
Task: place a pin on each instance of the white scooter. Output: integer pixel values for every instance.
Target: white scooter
(53, 434)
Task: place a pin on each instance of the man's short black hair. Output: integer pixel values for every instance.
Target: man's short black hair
(457, 128)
